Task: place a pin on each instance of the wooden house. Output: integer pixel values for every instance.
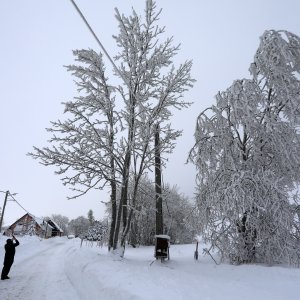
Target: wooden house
(31, 225)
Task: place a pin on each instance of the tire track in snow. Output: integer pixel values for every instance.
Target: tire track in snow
(40, 276)
(88, 281)
(58, 269)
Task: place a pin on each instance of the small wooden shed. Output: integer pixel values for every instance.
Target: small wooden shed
(55, 229)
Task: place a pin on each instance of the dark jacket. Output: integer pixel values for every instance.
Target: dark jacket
(10, 250)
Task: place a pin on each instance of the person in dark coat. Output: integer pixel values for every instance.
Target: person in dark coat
(10, 250)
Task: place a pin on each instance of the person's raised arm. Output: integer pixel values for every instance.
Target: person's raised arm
(17, 242)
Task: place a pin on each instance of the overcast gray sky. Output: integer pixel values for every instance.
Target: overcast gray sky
(37, 39)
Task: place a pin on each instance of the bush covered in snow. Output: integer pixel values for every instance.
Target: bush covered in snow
(96, 232)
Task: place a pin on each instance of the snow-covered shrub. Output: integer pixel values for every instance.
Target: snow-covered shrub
(97, 232)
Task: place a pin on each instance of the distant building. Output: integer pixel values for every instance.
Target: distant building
(55, 229)
(31, 225)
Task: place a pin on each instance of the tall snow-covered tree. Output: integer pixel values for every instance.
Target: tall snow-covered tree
(91, 217)
(109, 135)
(247, 154)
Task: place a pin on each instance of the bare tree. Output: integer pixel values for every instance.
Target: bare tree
(156, 87)
(103, 143)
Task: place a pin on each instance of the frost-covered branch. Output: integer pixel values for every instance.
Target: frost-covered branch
(247, 156)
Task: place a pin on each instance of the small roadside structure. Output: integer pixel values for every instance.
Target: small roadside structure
(162, 245)
(55, 229)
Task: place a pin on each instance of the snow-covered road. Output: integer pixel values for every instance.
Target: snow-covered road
(40, 274)
(58, 269)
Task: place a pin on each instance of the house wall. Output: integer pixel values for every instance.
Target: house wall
(48, 231)
(23, 225)
(26, 225)
(34, 226)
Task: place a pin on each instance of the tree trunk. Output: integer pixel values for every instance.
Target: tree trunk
(248, 236)
(125, 177)
(113, 198)
(113, 185)
(158, 196)
(122, 209)
(133, 233)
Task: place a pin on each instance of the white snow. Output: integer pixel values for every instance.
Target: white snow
(58, 268)
(162, 236)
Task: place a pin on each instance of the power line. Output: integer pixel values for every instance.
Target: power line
(14, 199)
(98, 41)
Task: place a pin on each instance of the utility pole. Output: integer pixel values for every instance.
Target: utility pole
(3, 209)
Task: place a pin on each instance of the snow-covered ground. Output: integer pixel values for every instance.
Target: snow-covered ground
(59, 269)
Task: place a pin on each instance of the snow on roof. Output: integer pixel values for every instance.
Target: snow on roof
(162, 236)
(57, 226)
(49, 225)
(36, 219)
(40, 222)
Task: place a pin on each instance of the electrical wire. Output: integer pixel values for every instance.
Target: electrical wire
(98, 41)
(14, 199)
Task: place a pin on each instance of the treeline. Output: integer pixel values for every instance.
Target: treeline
(179, 214)
(179, 218)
